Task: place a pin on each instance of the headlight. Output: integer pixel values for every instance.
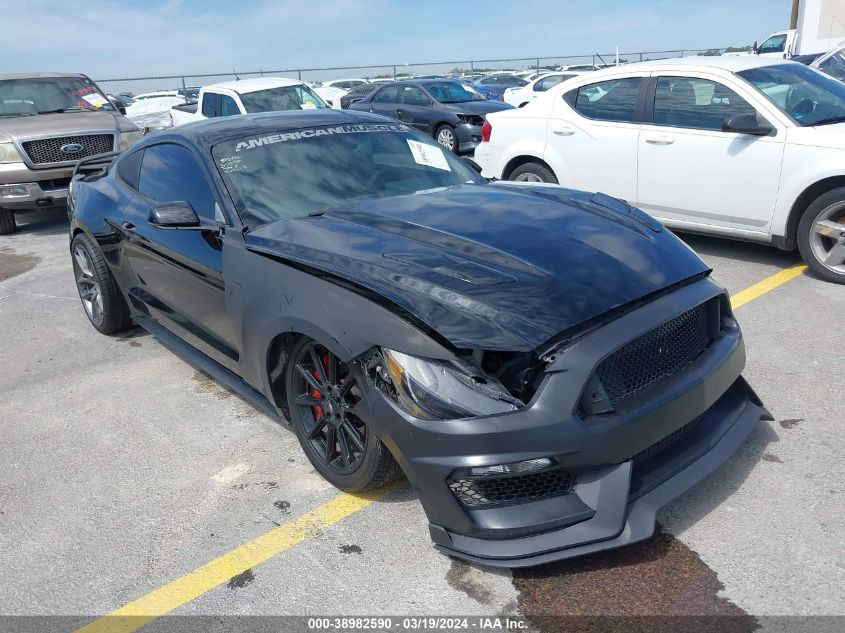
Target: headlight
(437, 390)
(471, 119)
(128, 139)
(8, 153)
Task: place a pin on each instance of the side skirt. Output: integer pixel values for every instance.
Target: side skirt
(211, 367)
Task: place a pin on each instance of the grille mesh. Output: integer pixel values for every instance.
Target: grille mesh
(661, 445)
(491, 491)
(656, 355)
(45, 151)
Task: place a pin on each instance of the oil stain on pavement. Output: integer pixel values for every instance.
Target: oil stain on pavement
(13, 264)
(241, 580)
(655, 585)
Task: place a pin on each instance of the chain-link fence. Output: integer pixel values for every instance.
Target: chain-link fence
(139, 85)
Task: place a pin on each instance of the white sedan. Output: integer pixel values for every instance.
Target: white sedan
(520, 96)
(743, 147)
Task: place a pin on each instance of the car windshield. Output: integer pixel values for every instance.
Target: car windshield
(47, 95)
(287, 98)
(295, 174)
(806, 95)
(453, 92)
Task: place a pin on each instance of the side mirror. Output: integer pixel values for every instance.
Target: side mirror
(122, 110)
(747, 124)
(754, 48)
(174, 214)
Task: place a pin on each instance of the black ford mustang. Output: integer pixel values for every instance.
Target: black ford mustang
(547, 367)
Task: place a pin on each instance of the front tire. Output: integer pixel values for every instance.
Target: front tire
(533, 172)
(821, 236)
(7, 222)
(104, 306)
(447, 137)
(322, 392)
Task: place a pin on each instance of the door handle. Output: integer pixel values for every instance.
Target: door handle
(659, 140)
(563, 130)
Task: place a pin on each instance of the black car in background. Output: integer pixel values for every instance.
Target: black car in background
(356, 94)
(448, 110)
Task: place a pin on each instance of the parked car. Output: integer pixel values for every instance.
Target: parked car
(744, 147)
(48, 121)
(156, 95)
(547, 367)
(521, 96)
(343, 84)
(494, 86)
(264, 94)
(153, 113)
(832, 63)
(450, 111)
(356, 94)
(330, 95)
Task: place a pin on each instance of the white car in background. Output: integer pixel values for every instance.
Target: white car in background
(832, 63)
(344, 84)
(520, 96)
(151, 112)
(330, 95)
(744, 147)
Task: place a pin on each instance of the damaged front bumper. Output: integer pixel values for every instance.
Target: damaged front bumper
(602, 476)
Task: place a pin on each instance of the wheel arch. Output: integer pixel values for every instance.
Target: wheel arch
(788, 241)
(519, 161)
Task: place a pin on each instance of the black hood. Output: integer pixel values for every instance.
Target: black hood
(490, 266)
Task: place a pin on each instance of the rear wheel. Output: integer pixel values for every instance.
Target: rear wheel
(322, 392)
(104, 306)
(533, 172)
(7, 222)
(446, 136)
(821, 236)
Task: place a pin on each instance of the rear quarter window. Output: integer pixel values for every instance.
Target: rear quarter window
(129, 168)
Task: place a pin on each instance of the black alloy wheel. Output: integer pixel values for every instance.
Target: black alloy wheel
(322, 392)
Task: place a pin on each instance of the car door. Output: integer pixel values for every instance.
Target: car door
(385, 101)
(177, 272)
(415, 108)
(690, 171)
(592, 134)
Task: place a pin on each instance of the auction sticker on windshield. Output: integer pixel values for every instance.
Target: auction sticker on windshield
(428, 155)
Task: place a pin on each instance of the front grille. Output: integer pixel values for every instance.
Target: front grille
(498, 491)
(47, 151)
(655, 355)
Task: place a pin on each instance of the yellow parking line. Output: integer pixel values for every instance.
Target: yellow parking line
(165, 599)
(768, 284)
(136, 614)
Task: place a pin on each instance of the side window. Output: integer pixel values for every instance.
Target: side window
(548, 82)
(388, 94)
(612, 100)
(128, 168)
(835, 66)
(169, 173)
(696, 103)
(411, 95)
(209, 105)
(775, 44)
(228, 107)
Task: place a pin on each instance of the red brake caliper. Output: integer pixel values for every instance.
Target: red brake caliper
(318, 410)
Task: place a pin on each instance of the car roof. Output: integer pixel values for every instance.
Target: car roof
(243, 86)
(208, 132)
(38, 75)
(731, 63)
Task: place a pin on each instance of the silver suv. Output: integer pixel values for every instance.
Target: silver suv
(49, 121)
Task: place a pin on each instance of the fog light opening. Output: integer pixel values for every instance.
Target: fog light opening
(515, 468)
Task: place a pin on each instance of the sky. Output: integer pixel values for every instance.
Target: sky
(119, 38)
